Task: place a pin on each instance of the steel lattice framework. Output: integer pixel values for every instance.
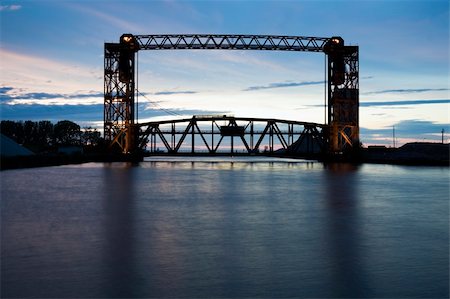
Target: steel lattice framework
(221, 134)
(230, 42)
(341, 132)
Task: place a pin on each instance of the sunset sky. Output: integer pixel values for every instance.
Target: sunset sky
(51, 60)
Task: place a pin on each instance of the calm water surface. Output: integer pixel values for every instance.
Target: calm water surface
(225, 228)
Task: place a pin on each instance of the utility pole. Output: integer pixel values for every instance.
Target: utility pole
(393, 135)
(442, 132)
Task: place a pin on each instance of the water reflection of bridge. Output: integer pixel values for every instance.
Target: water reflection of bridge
(222, 134)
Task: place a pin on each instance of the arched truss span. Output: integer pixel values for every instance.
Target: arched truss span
(221, 134)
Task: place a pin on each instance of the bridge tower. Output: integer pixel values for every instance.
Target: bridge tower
(121, 132)
(343, 95)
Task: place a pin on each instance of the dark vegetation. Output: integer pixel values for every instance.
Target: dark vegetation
(53, 144)
(42, 137)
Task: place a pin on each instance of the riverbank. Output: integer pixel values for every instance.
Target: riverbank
(56, 160)
(426, 154)
(417, 153)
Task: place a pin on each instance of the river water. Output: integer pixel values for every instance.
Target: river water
(225, 227)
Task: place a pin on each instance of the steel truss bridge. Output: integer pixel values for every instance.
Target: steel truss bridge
(339, 134)
(222, 134)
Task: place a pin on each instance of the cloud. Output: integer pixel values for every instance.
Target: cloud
(415, 126)
(111, 20)
(4, 96)
(408, 90)
(37, 112)
(283, 85)
(39, 74)
(409, 127)
(10, 7)
(174, 92)
(406, 130)
(404, 103)
(395, 103)
(12, 96)
(84, 113)
(290, 84)
(179, 112)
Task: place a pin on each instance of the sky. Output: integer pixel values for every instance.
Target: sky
(51, 61)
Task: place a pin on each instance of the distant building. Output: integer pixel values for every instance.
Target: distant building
(10, 148)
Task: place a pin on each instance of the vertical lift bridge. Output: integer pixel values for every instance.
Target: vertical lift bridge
(120, 129)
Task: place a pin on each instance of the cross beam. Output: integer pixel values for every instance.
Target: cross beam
(230, 42)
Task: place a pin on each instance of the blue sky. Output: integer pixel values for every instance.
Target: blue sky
(52, 61)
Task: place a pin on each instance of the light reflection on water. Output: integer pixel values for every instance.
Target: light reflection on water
(227, 227)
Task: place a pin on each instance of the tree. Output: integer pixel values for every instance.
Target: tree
(44, 137)
(45, 134)
(30, 134)
(13, 130)
(90, 137)
(67, 133)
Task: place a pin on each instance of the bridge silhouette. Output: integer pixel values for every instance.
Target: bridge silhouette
(219, 134)
(222, 134)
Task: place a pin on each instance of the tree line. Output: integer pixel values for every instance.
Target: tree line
(44, 136)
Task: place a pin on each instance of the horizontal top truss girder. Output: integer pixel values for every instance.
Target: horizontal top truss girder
(231, 42)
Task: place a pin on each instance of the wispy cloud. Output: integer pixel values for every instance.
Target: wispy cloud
(408, 130)
(4, 96)
(283, 85)
(14, 96)
(417, 126)
(395, 103)
(83, 113)
(404, 103)
(113, 20)
(40, 74)
(53, 113)
(174, 92)
(406, 90)
(179, 112)
(12, 7)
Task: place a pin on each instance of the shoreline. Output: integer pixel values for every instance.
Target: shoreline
(22, 162)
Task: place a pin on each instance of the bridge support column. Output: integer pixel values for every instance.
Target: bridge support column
(343, 96)
(119, 77)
